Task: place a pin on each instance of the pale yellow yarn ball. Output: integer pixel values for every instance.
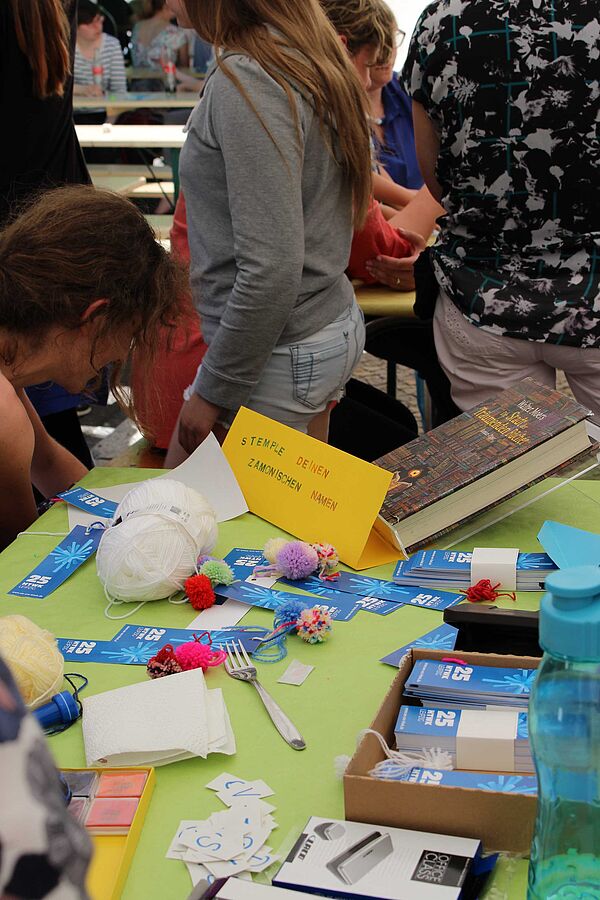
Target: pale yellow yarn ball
(33, 658)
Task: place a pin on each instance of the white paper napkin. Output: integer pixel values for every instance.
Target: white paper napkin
(156, 722)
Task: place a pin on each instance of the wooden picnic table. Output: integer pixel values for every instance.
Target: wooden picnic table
(131, 135)
(133, 72)
(114, 103)
(121, 184)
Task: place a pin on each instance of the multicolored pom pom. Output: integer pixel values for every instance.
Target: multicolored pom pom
(328, 561)
(164, 663)
(314, 625)
(199, 591)
(191, 655)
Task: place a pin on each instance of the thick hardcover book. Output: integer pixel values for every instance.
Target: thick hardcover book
(477, 459)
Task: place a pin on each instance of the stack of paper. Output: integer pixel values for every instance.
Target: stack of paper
(450, 570)
(156, 722)
(231, 842)
(486, 740)
(477, 687)
(481, 781)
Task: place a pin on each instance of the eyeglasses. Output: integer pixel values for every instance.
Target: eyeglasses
(383, 64)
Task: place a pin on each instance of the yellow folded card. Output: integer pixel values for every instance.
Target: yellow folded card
(313, 491)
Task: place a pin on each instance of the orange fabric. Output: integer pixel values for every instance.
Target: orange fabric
(376, 238)
(159, 392)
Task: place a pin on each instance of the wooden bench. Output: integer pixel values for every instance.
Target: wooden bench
(120, 184)
(153, 190)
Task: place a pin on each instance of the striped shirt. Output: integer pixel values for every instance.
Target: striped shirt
(113, 66)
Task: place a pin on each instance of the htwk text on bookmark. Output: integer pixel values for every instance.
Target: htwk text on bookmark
(89, 502)
(71, 553)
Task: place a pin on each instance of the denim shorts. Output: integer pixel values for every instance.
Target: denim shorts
(301, 379)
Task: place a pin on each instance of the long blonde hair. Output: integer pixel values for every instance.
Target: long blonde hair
(363, 23)
(43, 35)
(293, 40)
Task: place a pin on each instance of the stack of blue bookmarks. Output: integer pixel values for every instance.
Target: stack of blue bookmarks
(436, 683)
(450, 570)
(426, 728)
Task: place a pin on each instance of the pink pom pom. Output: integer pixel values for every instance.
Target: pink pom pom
(297, 560)
(196, 655)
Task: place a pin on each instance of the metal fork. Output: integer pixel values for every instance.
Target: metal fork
(240, 667)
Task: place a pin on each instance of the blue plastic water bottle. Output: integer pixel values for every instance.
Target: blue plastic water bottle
(564, 731)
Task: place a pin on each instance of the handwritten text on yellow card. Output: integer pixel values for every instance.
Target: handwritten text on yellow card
(310, 489)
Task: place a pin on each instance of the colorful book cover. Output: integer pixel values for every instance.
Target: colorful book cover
(474, 444)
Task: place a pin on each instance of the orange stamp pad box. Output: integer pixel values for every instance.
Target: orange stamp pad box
(113, 808)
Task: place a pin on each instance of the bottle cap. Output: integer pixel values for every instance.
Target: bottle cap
(570, 614)
(61, 710)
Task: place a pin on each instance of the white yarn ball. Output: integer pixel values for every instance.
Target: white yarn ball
(164, 527)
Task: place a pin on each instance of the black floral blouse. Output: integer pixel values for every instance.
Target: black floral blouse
(43, 851)
(513, 87)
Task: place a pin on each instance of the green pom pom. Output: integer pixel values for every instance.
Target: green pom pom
(217, 571)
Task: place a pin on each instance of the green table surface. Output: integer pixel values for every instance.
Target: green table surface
(339, 698)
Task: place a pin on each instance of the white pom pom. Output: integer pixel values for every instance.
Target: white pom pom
(164, 527)
(340, 764)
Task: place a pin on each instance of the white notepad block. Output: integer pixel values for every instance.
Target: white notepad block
(499, 564)
(490, 746)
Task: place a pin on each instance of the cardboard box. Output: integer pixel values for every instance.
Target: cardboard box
(502, 821)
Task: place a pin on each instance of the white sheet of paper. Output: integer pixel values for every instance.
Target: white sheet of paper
(222, 615)
(296, 673)
(207, 470)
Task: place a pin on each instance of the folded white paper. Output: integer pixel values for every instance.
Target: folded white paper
(207, 470)
(156, 722)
